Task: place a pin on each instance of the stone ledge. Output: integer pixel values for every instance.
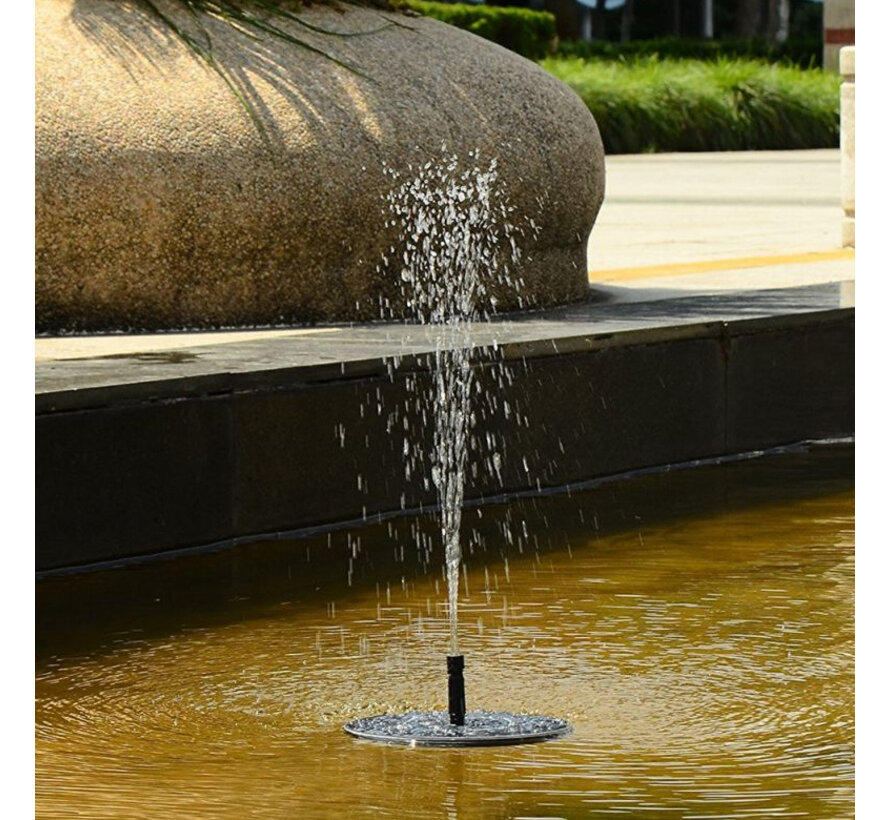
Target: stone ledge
(159, 469)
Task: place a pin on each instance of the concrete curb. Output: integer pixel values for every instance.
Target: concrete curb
(141, 466)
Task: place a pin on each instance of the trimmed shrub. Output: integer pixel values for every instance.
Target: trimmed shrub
(687, 105)
(805, 52)
(529, 33)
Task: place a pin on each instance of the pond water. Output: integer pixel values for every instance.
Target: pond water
(695, 627)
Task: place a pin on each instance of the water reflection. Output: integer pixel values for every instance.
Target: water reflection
(705, 663)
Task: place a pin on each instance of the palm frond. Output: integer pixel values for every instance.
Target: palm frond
(253, 18)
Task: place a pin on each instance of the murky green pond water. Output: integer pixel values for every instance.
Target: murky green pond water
(696, 628)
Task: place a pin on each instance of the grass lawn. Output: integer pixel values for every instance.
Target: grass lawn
(652, 104)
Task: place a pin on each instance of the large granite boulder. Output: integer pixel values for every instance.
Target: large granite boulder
(163, 201)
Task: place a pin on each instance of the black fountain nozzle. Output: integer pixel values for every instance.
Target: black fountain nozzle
(434, 729)
(457, 704)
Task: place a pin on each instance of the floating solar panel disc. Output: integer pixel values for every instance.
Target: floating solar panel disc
(480, 729)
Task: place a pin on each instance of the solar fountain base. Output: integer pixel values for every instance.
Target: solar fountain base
(480, 728)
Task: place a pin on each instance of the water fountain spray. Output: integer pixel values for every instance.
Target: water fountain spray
(454, 225)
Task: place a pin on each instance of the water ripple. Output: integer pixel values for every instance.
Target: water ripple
(706, 669)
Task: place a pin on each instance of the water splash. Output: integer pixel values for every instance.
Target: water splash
(457, 247)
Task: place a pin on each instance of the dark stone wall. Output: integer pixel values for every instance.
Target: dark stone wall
(133, 479)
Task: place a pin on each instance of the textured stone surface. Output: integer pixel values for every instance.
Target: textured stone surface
(142, 454)
(160, 204)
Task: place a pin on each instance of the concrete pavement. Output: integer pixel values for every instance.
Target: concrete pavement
(719, 221)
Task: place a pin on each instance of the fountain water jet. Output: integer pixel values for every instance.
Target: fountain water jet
(454, 226)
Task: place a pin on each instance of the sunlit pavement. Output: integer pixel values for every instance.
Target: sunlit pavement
(672, 225)
(694, 223)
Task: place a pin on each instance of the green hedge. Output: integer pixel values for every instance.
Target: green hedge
(529, 33)
(687, 105)
(803, 51)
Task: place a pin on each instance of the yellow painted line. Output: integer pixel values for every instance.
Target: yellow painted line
(739, 263)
